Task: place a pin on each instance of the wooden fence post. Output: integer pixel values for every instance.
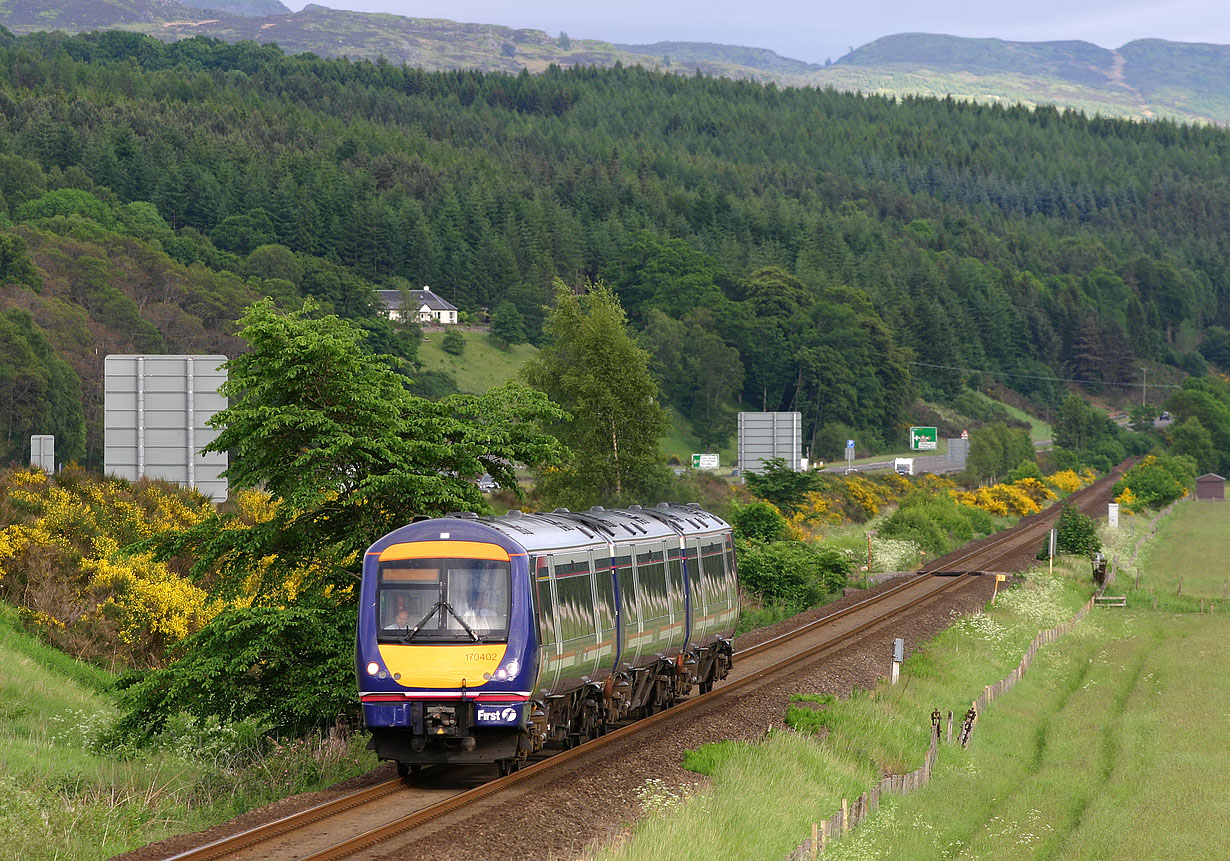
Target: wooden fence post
(815, 839)
(1180, 585)
(845, 816)
(824, 835)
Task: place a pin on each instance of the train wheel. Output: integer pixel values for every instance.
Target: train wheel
(509, 766)
(405, 769)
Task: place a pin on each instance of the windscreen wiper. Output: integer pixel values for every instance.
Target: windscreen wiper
(457, 616)
(423, 621)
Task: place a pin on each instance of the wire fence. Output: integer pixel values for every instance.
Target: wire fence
(851, 815)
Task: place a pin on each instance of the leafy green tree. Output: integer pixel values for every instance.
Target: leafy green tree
(39, 393)
(66, 201)
(594, 370)
(996, 450)
(1141, 418)
(347, 453)
(507, 324)
(1190, 438)
(15, 264)
(783, 486)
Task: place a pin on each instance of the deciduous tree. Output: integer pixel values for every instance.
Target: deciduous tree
(594, 370)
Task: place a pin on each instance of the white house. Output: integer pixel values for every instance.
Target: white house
(423, 306)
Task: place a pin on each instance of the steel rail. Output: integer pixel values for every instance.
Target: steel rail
(237, 842)
(418, 818)
(989, 550)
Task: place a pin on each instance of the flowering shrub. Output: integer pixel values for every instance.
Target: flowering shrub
(1035, 490)
(1001, 499)
(1066, 480)
(893, 554)
(60, 562)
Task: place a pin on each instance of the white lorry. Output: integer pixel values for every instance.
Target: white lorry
(903, 465)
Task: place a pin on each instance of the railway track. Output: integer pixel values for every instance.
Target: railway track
(305, 835)
(398, 809)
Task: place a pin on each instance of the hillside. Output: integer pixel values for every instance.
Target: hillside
(792, 249)
(1144, 79)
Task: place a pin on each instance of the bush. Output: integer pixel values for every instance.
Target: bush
(453, 343)
(1157, 481)
(793, 574)
(916, 524)
(758, 521)
(1077, 533)
(286, 668)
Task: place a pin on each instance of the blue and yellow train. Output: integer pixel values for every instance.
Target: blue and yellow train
(481, 639)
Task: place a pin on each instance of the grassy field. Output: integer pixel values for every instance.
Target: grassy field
(1108, 748)
(482, 365)
(63, 796)
(1102, 751)
(1192, 543)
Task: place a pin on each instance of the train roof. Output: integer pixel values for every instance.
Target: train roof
(595, 527)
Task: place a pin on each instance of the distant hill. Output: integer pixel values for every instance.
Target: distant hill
(1145, 79)
(245, 8)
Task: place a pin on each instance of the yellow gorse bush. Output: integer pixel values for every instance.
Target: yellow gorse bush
(60, 562)
(1001, 499)
(1066, 480)
(149, 606)
(1035, 490)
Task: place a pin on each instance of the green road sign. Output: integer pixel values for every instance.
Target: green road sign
(923, 439)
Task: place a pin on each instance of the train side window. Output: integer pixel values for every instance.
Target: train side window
(546, 601)
(627, 588)
(696, 578)
(604, 589)
(715, 574)
(674, 568)
(574, 587)
(651, 575)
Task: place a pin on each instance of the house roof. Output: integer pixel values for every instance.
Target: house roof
(1211, 475)
(392, 300)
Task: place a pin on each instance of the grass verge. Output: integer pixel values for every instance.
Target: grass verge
(763, 798)
(65, 796)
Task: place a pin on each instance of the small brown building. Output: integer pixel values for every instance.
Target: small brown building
(1211, 487)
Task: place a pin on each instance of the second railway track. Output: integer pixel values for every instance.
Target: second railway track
(379, 815)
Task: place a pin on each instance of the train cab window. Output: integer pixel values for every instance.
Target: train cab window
(443, 597)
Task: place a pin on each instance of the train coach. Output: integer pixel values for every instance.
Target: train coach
(480, 639)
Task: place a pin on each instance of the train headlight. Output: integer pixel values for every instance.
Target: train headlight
(507, 671)
(373, 668)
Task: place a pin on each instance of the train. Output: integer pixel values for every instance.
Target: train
(482, 639)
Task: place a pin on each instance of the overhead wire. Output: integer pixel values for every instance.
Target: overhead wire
(1049, 379)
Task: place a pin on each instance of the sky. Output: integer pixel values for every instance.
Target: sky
(819, 30)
